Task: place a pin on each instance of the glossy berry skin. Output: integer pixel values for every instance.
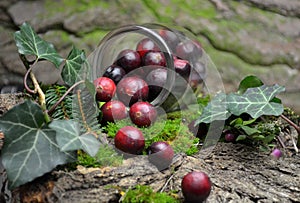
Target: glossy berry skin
(143, 114)
(129, 60)
(170, 38)
(156, 80)
(146, 45)
(105, 89)
(182, 67)
(196, 187)
(114, 72)
(130, 140)
(230, 137)
(132, 89)
(156, 58)
(161, 154)
(189, 50)
(113, 110)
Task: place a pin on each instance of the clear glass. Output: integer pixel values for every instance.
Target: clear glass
(177, 91)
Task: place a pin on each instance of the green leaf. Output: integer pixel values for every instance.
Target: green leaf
(241, 137)
(68, 137)
(248, 122)
(215, 110)
(248, 130)
(258, 137)
(30, 148)
(256, 101)
(29, 43)
(72, 68)
(249, 82)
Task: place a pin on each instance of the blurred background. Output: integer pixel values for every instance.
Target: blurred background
(242, 37)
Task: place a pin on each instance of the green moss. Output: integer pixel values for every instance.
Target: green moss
(233, 69)
(93, 38)
(173, 131)
(145, 194)
(73, 6)
(106, 156)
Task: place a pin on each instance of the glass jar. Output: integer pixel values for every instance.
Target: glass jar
(184, 68)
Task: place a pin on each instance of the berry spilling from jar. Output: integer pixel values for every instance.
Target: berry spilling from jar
(135, 78)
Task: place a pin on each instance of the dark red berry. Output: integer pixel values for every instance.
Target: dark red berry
(114, 72)
(188, 50)
(105, 89)
(143, 114)
(154, 58)
(161, 154)
(230, 137)
(197, 75)
(170, 38)
(196, 187)
(146, 45)
(113, 110)
(156, 80)
(132, 89)
(129, 60)
(182, 67)
(130, 140)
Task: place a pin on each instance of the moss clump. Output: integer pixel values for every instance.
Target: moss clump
(174, 131)
(144, 194)
(106, 156)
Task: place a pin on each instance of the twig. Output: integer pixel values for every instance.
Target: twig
(297, 128)
(165, 185)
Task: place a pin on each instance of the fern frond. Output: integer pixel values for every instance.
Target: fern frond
(64, 109)
(85, 110)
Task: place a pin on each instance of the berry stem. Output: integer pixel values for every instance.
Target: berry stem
(294, 125)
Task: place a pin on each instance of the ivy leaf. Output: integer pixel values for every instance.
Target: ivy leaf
(69, 139)
(256, 101)
(71, 70)
(215, 110)
(249, 82)
(30, 149)
(29, 43)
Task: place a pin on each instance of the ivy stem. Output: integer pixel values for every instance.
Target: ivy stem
(37, 88)
(51, 110)
(294, 125)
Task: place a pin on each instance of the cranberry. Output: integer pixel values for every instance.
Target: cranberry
(189, 50)
(143, 114)
(170, 38)
(156, 80)
(129, 60)
(105, 89)
(131, 89)
(196, 187)
(154, 58)
(182, 67)
(161, 154)
(146, 45)
(130, 140)
(113, 110)
(230, 137)
(114, 72)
